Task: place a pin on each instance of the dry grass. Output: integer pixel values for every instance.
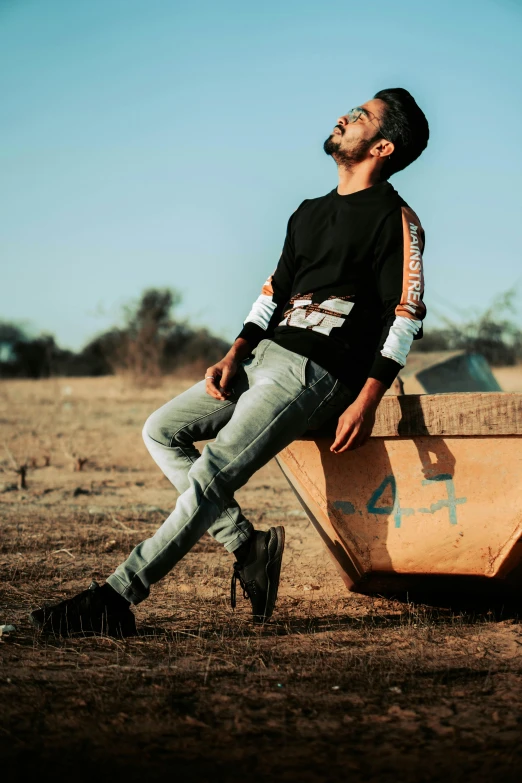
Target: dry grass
(337, 687)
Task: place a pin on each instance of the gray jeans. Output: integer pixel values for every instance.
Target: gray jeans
(276, 396)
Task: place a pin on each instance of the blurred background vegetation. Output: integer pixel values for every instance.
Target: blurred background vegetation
(492, 333)
(151, 342)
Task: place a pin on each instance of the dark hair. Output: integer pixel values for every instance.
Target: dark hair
(405, 125)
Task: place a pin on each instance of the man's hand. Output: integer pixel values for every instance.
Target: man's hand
(356, 423)
(219, 376)
(354, 428)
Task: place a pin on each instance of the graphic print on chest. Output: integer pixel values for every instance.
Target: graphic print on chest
(319, 317)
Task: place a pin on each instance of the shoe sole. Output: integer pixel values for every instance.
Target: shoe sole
(276, 546)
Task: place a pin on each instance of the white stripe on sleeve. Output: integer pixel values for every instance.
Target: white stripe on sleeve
(262, 311)
(400, 338)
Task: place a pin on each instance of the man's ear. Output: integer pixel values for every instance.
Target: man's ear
(383, 148)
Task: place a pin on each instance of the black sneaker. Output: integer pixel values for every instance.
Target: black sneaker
(258, 573)
(87, 614)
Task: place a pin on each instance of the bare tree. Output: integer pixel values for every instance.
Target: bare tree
(138, 349)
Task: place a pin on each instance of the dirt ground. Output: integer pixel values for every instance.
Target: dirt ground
(338, 687)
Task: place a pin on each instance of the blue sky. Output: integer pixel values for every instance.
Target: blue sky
(159, 143)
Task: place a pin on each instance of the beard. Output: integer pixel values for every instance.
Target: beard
(347, 157)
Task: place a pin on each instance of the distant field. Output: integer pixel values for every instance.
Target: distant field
(338, 687)
(509, 378)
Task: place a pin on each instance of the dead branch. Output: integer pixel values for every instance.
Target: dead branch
(20, 468)
(10, 456)
(78, 460)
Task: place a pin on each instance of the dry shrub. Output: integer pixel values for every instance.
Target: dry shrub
(152, 343)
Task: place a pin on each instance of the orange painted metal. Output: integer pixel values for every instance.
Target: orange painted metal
(404, 514)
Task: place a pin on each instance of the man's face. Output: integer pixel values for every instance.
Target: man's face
(351, 141)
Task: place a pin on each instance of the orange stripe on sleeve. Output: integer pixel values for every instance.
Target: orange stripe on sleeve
(267, 289)
(411, 304)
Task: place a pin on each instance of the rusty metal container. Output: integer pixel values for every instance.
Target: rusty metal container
(430, 506)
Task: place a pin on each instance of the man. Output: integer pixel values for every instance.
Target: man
(326, 338)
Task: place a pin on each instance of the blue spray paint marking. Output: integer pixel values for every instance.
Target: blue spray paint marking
(396, 509)
(451, 503)
(345, 506)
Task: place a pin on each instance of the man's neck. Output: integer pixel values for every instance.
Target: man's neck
(352, 180)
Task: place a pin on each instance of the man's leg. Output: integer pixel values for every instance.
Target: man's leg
(191, 416)
(169, 435)
(284, 390)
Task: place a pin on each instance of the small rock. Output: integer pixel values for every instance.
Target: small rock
(376, 719)
(439, 729)
(398, 712)
(195, 722)
(7, 629)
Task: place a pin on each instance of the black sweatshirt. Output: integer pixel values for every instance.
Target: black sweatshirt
(347, 291)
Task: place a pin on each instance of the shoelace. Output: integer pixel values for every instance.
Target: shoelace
(248, 587)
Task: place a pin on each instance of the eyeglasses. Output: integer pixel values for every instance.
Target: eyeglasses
(355, 114)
